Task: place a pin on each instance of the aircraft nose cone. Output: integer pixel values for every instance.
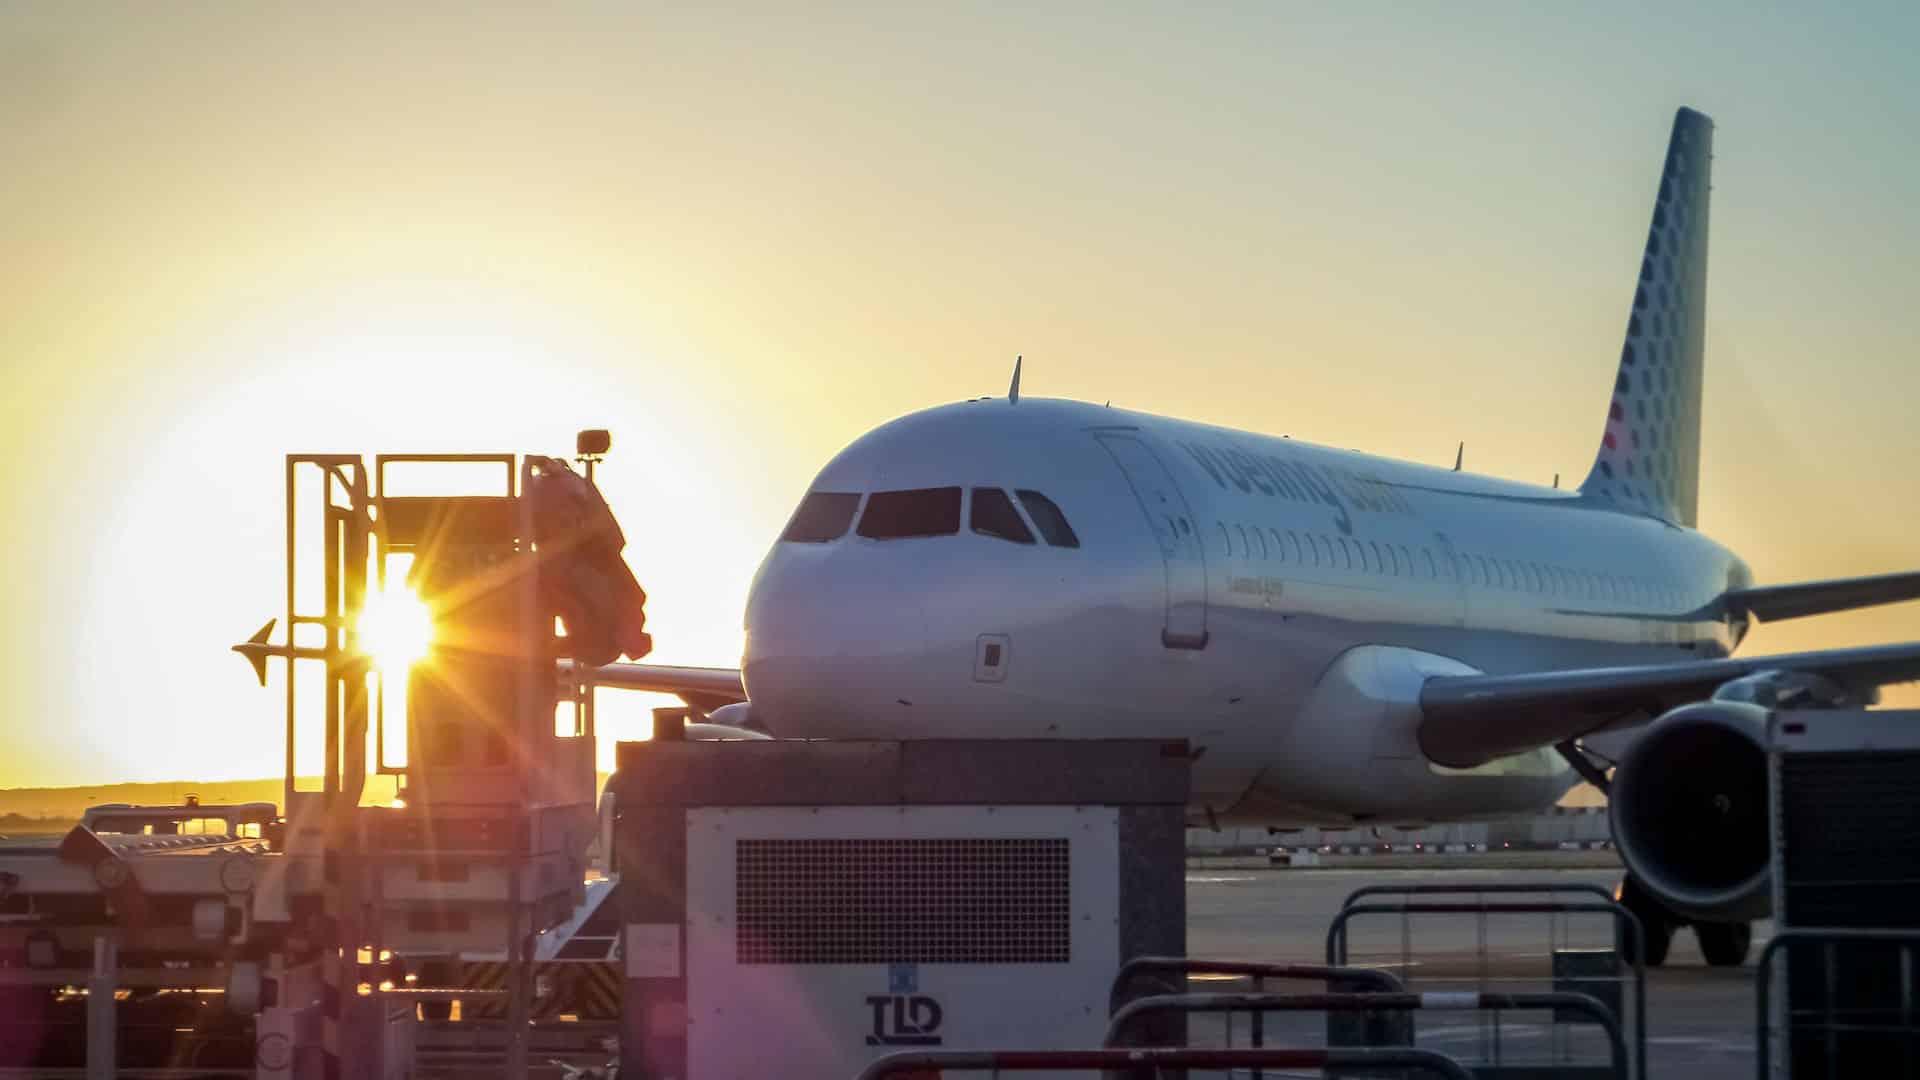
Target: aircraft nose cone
(832, 643)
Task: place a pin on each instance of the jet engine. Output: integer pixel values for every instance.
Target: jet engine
(1690, 813)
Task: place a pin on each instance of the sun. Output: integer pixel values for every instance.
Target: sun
(396, 628)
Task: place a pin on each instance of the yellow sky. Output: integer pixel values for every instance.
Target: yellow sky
(740, 240)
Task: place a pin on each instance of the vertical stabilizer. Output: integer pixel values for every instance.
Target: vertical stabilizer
(1649, 457)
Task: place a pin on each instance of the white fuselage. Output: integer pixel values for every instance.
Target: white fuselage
(1273, 602)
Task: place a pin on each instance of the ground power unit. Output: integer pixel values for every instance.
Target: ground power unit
(1845, 787)
(797, 909)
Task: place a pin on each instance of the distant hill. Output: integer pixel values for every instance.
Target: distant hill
(56, 809)
(70, 802)
(66, 804)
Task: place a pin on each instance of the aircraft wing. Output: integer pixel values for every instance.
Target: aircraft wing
(1468, 720)
(1773, 602)
(703, 688)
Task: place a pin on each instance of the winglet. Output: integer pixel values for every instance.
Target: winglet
(1013, 389)
(256, 650)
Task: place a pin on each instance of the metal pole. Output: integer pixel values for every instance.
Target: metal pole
(532, 644)
(286, 806)
(102, 1033)
(517, 982)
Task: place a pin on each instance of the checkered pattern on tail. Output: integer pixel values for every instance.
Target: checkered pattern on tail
(1649, 458)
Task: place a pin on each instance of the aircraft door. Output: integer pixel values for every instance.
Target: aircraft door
(1181, 549)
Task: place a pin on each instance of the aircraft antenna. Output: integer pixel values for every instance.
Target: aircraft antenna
(1459, 455)
(1013, 389)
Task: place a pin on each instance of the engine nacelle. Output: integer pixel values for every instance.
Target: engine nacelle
(1690, 811)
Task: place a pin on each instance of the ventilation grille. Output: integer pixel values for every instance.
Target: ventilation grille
(902, 901)
(1850, 821)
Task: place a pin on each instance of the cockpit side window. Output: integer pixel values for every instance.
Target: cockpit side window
(897, 515)
(1048, 519)
(823, 516)
(994, 515)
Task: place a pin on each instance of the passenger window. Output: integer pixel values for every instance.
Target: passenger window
(1279, 546)
(1379, 563)
(1362, 550)
(1293, 541)
(1226, 539)
(898, 515)
(822, 516)
(1346, 553)
(1049, 520)
(1262, 537)
(1486, 573)
(1246, 549)
(1433, 568)
(994, 515)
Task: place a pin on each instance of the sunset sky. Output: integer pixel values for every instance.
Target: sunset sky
(739, 240)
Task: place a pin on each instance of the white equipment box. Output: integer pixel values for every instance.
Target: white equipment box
(798, 909)
(818, 939)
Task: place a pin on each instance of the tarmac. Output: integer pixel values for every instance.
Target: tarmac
(1700, 1020)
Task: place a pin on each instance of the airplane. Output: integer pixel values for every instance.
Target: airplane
(1339, 637)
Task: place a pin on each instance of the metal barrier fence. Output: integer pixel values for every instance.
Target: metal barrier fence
(1170, 975)
(1130, 1015)
(1149, 1063)
(1144, 967)
(1845, 1034)
(1628, 936)
(1545, 888)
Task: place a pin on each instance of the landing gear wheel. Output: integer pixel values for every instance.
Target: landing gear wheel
(1656, 925)
(1724, 944)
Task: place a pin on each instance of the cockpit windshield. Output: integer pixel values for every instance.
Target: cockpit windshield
(1048, 519)
(896, 515)
(994, 515)
(823, 516)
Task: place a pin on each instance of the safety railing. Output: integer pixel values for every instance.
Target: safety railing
(1498, 888)
(1169, 968)
(1845, 1030)
(1130, 1015)
(1628, 934)
(1150, 1063)
(1170, 974)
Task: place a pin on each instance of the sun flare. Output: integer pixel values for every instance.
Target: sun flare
(396, 628)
